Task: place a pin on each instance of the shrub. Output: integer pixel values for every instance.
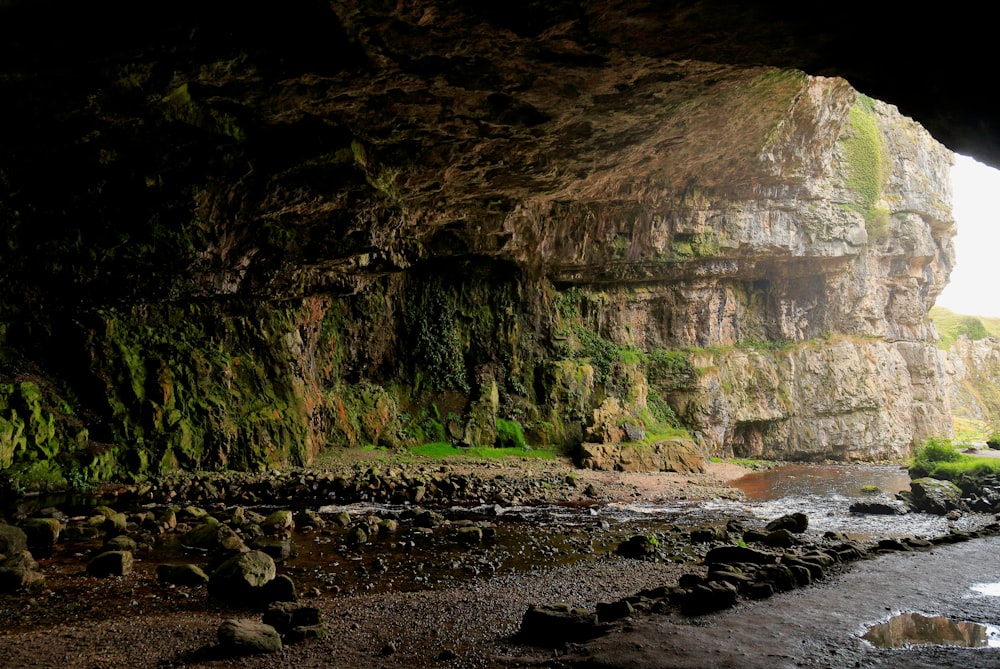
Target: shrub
(937, 450)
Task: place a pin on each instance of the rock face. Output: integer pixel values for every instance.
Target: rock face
(973, 369)
(427, 229)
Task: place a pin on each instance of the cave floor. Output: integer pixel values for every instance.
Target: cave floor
(76, 621)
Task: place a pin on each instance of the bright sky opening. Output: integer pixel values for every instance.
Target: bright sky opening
(974, 288)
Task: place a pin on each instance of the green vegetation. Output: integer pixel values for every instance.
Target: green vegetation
(951, 326)
(510, 435)
(441, 450)
(940, 459)
(43, 445)
(182, 107)
(868, 166)
(752, 344)
(437, 342)
(747, 463)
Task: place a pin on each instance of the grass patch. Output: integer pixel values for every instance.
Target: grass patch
(443, 450)
(941, 459)
(966, 466)
(747, 463)
(951, 326)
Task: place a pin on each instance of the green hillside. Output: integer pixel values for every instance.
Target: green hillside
(951, 325)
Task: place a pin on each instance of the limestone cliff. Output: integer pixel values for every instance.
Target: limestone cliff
(221, 253)
(974, 371)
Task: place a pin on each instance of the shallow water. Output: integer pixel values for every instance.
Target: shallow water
(912, 629)
(804, 480)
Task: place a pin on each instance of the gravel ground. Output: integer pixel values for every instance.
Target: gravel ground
(78, 621)
(465, 626)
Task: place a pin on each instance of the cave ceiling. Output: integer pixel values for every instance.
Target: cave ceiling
(934, 65)
(213, 147)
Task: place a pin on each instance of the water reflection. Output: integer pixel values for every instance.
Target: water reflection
(909, 629)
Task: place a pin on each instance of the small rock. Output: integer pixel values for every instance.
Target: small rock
(638, 546)
(111, 563)
(248, 637)
(469, 535)
(797, 523)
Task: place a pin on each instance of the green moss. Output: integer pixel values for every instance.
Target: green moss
(196, 387)
(510, 434)
(41, 442)
(868, 166)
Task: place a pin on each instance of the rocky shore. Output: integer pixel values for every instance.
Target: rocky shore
(384, 562)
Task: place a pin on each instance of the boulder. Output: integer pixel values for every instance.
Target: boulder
(638, 546)
(12, 539)
(935, 496)
(309, 518)
(611, 611)
(281, 589)
(781, 538)
(120, 543)
(880, 508)
(712, 596)
(279, 523)
(797, 523)
(279, 548)
(704, 535)
(19, 570)
(284, 616)
(214, 537)
(248, 637)
(241, 578)
(42, 532)
(471, 534)
(111, 563)
(556, 624)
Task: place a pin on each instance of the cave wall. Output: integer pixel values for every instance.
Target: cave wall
(231, 244)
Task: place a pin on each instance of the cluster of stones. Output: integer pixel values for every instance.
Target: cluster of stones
(976, 493)
(243, 546)
(756, 565)
(282, 623)
(242, 570)
(310, 487)
(18, 568)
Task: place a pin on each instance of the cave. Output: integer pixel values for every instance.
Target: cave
(244, 240)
